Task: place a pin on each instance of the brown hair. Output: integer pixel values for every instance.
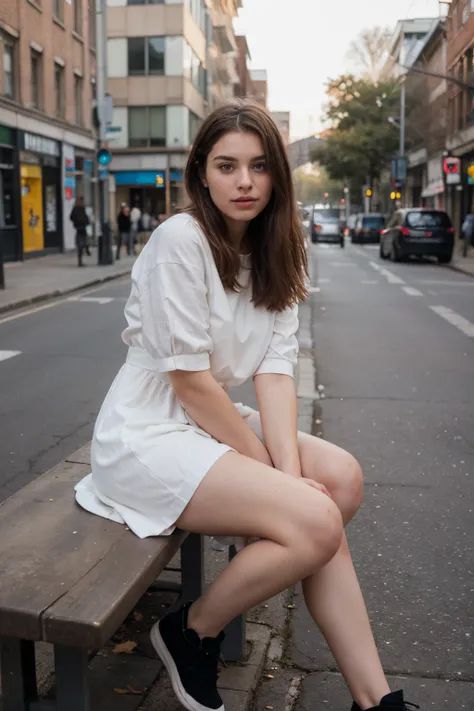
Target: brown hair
(275, 237)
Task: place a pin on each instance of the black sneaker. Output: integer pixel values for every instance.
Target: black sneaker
(391, 702)
(192, 662)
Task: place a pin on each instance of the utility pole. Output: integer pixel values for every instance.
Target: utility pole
(104, 252)
(402, 113)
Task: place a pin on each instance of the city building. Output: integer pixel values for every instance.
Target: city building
(259, 85)
(243, 87)
(460, 140)
(47, 146)
(157, 77)
(299, 152)
(427, 121)
(282, 120)
(223, 52)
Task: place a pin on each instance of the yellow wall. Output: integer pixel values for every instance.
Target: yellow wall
(32, 207)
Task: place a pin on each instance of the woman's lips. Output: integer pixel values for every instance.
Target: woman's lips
(245, 202)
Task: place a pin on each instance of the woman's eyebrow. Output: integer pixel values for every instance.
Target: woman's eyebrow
(233, 160)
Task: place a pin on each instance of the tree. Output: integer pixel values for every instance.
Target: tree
(311, 186)
(369, 52)
(361, 140)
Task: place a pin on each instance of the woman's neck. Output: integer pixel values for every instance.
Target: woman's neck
(237, 232)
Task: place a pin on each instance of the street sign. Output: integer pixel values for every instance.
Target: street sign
(452, 170)
(399, 168)
(114, 129)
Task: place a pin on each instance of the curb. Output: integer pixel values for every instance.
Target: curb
(49, 295)
(460, 269)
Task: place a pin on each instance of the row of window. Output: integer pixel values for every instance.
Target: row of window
(147, 126)
(146, 56)
(78, 11)
(37, 82)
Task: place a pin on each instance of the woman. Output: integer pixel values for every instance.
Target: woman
(214, 303)
(80, 220)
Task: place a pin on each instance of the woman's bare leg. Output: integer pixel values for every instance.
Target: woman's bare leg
(302, 529)
(333, 595)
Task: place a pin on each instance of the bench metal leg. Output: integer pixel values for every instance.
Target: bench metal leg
(18, 669)
(72, 678)
(233, 647)
(192, 567)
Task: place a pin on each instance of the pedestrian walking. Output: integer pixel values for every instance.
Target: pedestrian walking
(214, 303)
(80, 220)
(468, 233)
(135, 219)
(124, 228)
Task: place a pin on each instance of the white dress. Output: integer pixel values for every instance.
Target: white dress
(148, 456)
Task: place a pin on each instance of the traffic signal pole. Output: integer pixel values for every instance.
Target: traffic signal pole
(104, 255)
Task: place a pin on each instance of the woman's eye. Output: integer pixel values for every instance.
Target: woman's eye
(260, 167)
(226, 167)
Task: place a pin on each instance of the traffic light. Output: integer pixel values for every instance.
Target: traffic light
(399, 196)
(368, 193)
(326, 195)
(393, 196)
(104, 157)
(343, 202)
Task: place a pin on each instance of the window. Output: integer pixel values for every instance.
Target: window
(36, 79)
(59, 89)
(8, 69)
(427, 220)
(194, 71)
(147, 126)
(145, 2)
(78, 16)
(58, 9)
(92, 18)
(78, 100)
(194, 124)
(146, 55)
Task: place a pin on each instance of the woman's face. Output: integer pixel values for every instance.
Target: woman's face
(237, 176)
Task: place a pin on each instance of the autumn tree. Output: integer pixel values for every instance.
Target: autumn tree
(368, 53)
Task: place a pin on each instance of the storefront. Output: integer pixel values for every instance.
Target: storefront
(148, 190)
(41, 204)
(10, 209)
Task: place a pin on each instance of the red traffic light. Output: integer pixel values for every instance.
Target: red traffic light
(326, 195)
(343, 202)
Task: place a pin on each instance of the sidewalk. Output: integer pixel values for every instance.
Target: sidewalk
(463, 264)
(47, 277)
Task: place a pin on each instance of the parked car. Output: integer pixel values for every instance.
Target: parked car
(326, 225)
(419, 232)
(368, 228)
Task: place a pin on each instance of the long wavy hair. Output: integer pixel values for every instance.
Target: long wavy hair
(275, 237)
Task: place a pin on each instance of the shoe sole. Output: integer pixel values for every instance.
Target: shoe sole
(183, 697)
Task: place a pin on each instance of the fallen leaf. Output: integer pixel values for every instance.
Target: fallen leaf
(268, 676)
(291, 607)
(128, 690)
(268, 707)
(124, 648)
(137, 616)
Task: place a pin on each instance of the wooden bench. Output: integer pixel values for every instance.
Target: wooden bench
(70, 579)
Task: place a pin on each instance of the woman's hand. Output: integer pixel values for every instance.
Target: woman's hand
(316, 485)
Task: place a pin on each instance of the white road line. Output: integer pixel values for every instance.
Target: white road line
(438, 282)
(455, 319)
(313, 289)
(369, 281)
(324, 281)
(411, 291)
(92, 299)
(5, 355)
(390, 276)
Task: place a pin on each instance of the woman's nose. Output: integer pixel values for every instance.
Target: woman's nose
(245, 179)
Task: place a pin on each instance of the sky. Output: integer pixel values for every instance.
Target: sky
(302, 43)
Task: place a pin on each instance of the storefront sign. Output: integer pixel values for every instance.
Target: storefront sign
(69, 172)
(40, 144)
(141, 177)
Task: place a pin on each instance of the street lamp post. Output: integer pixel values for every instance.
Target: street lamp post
(104, 255)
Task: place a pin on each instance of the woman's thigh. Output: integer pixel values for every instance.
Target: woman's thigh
(242, 497)
(327, 464)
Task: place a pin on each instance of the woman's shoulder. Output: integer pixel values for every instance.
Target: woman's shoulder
(179, 240)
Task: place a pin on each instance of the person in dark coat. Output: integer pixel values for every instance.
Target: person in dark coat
(80, 220)
(124, 227)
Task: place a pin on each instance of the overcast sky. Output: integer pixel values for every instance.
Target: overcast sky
(303, 42)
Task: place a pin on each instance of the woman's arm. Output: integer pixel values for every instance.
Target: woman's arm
(278, 407)
(212, 409)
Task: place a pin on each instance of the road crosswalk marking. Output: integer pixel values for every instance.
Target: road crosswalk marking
(455, 319)
(411, 291)
(5, 355)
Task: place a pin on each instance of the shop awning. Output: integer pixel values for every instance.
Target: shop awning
(434, 188)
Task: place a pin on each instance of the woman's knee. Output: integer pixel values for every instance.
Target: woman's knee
(318, 532)
(349, 486)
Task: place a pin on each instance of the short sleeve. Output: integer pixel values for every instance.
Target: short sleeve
(174, 309)
(282, 353)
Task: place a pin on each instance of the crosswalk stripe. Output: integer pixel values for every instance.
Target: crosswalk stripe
(5, 355)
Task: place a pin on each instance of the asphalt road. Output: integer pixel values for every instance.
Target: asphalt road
(394, 346)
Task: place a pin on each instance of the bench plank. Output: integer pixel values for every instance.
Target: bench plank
(48, 544)
(89, 614)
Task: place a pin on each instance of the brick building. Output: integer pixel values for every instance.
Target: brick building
(47, 68)
(460, 141)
